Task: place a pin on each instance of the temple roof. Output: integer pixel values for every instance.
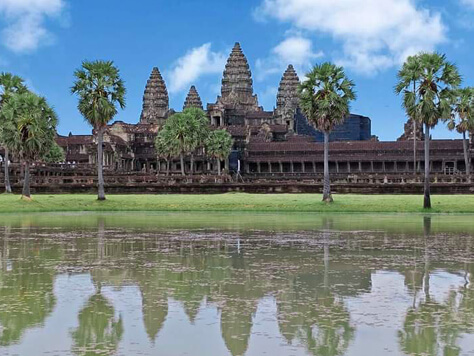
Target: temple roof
(287, 96)
(193, 100)
(237, 84)
(155, 98)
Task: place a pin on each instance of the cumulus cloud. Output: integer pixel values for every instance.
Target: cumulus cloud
(195, 63)
(375, 34)
(25, 20)
(296, 50)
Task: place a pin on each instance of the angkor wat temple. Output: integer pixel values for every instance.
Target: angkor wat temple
(272, 146)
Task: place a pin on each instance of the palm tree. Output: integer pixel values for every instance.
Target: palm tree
(165, 147)
(201, 131)
(187, 131)
(218, 146)
(407, 77)
(464, 112)
(324, 98)
(29, 130)
(9, 85)
(431, 100)
(100, 90)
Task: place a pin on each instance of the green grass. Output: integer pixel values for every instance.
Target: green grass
(239, 202)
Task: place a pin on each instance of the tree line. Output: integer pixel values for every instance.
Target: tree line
(428, 83)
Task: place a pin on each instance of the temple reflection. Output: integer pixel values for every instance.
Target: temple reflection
(309, 275)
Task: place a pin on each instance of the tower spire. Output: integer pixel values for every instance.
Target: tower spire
(193, 100)
(155, 100)
(287, 97)
(237, 84)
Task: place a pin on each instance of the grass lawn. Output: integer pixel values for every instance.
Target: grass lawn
(239, 202)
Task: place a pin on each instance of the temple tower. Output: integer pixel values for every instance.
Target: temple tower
(288, 98)
(193, 100)
(408, 131)
(155, 100)
(237, 84)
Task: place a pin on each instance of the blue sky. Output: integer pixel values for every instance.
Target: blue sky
(44, 41)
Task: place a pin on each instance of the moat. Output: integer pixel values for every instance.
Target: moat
(236, 284)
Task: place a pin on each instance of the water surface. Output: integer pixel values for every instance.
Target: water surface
(236, 284)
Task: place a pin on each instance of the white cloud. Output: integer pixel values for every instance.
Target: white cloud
(469, 3)
(375, 34)
(195, 63)
(296, 50)
(25, 30)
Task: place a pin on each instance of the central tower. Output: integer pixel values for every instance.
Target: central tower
(237, 84)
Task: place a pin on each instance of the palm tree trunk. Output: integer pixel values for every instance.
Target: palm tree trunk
(181, 158)
(26, 182)
(427, 195)
(100, 163)
(414, 145)
(327, 182)
(219, 166)
(466, 154)
(8, 187)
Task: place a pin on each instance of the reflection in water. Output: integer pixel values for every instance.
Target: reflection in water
(221, 278)
(99, 332)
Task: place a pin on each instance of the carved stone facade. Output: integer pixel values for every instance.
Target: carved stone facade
(155, 100)
(408, 131)
(193, 100)
(287, 98)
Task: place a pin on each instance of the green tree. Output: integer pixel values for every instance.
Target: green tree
(324, 98)
(431, 100)
(55, 154)
(201, 132)
(29, 130)
(100, 90)
(9, 85)
(463, 119)
(185, 131)
(407, 77)
(165, 147)
(218, 146)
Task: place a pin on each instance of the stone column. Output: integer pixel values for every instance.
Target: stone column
(314, 167)
(348, 167)
(258, 168)
(291, 167)
(372, 166)
(383, 166)
(360, 167)
(395, 168)
(270, 167)
(281, 166)
(302, 167)
(337, 166)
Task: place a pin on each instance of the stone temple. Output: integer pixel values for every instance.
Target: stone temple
(276, 145)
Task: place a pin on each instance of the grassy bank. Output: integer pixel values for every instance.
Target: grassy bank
(239, 202)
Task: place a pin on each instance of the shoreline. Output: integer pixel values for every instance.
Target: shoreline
(237, 202)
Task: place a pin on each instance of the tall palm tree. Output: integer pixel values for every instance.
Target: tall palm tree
(165, 147)
(324, 99)
(463, 111)
(100, 90)
(29, 130)
(9, 85)
(218, 146)
(187, 130)
(407, 77)
(201, 131)
(431, 100)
